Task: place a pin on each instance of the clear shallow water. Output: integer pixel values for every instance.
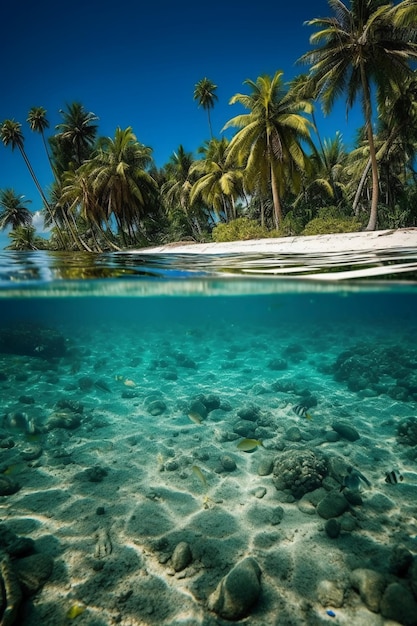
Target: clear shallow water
(107, 357)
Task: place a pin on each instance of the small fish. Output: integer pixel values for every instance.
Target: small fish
(129, 383)
(393, 477)
(75, 610)
(353, 479)
(119, 378)
(302, 411)
(197, 471)
(247, 445)
(195, 417)
(39, 348)
(15, 468)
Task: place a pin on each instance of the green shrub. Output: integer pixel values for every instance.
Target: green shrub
(330, 220)
(240, 229)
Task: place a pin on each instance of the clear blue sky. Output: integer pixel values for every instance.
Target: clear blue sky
(136, 64)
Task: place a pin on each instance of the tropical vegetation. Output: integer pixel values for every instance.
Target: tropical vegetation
(274, 176)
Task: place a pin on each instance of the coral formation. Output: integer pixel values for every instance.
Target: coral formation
(300, 471)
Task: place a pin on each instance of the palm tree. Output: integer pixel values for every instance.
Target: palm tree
(23, 238)
(11, 134)
(219, 182)
(269, 142)
(325, 182)
(359, 47)
(38, 123)
(405, 13)
(77, 134)
(204, 92)
(176, 190)
(77, 201)
(397, 133)
(13, 213)
(120, 182)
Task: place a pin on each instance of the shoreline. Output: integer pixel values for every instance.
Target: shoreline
(336, 243)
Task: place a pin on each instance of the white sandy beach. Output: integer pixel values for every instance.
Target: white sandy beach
(344, 242)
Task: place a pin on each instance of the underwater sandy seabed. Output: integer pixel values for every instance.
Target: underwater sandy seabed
(121, 459)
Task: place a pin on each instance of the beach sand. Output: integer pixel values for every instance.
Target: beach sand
(343, 242)
(145, 459)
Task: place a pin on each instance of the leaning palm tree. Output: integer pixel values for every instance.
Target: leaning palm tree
(11, 135)
(204, 92)
(356, 48)
(38, 124)
(268, 143)
(13, 212)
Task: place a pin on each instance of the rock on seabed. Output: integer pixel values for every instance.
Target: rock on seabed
(238, 591)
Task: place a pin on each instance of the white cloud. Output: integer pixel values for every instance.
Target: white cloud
(37, 223)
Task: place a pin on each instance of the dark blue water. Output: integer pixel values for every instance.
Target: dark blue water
(127, 384)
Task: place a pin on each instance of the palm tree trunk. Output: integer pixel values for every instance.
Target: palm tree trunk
(45, 145)
(381, 153)
(360, 187)
(209, 122)
(39, 188)
(276, 199)
(375, 182)
(372, 152)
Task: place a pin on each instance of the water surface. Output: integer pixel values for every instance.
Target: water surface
(136, 376)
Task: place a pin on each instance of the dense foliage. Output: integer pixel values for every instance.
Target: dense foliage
(275, 177)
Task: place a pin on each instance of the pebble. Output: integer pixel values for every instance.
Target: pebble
(346, 431)
(329, 593)
(182, 556)
(31, 453)
(155, 408)
(347, 523)
(332, 505)
(332, 528)
(332, 436)
(400, 560)
(171, 465)
(265, 467)
(398, 604)
(228, 463)
(293, 434)
(371, 585)
(33, 571)
(380, 503)
(238, 591)
(8, 486)
(250, 413)
(259, 492)
(306, 506)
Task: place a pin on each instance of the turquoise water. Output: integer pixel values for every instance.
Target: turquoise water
(128, 383)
